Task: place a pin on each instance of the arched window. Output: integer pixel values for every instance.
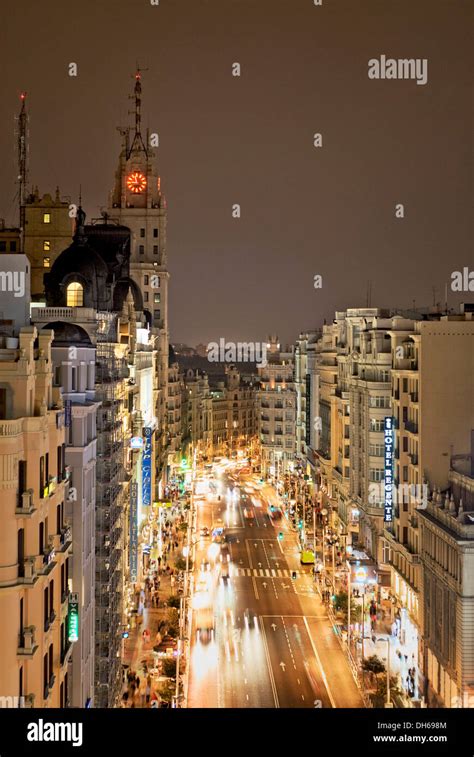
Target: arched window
(75, 295)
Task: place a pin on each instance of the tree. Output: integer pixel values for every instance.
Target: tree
(379, 697)
(180, 563)
(341, 603)
(168, 667)
(373, 664)
(167, 691)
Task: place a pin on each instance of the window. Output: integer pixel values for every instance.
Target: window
(46, 245)
(376, 474)
(376, 424)
(376, 450)
(141, 249)
(41, 477)
(157, 297)
(146, 297)
(405, 385)
(46, 608)
(46, 262)
(157, 315)
(75, 295)
(142, 232)
(45, 676)
(46, 217)
(145, 280)
(155, 232)
(21, 552)
(21, 480)
(13, 249)
(155, 249)
(3, 246)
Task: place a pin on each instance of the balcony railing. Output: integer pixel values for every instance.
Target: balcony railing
(413, 459)
(414, 396)
(411, 426)
(25, 505)
(27, 642)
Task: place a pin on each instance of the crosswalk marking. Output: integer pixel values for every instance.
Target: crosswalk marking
(267, 572)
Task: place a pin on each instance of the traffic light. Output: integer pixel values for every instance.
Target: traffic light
(280, 536)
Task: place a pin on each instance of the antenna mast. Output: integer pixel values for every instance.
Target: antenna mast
(22, 147)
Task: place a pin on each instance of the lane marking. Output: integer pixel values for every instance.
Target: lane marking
(323, 674)
(269, 663)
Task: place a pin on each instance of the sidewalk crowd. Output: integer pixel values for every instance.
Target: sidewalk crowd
(159, 579)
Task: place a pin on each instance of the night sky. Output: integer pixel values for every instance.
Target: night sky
(249, 140)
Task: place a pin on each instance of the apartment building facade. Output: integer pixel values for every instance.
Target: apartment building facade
(35, 539)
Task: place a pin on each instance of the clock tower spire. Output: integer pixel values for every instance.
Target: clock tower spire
(137, 142)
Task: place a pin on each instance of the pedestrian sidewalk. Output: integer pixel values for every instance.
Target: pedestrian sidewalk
(138, 654)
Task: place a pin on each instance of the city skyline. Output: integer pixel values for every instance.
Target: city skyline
(236, 367)
(248, 140)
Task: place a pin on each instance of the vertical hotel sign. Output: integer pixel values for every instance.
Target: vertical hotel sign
(133, 547)
(388, 481)
(146, 467)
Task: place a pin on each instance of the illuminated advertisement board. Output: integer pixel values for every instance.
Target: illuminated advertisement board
(146, 467)
(133, 546)
(388, 470)
(73, 618)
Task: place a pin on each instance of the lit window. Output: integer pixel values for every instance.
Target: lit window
(46, 217)
(157, 297)
(46, 262)
(46, 245)
(75, 295)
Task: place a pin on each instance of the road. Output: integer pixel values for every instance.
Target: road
(272, 645)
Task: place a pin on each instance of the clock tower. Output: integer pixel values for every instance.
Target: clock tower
(137, 202)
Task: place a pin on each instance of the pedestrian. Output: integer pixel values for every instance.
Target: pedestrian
(142, 693)
(159, 562)
(148, 689)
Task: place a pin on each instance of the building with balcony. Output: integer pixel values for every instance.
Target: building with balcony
(35, 538)
(233, 412)
(277, 411)
(446, 528)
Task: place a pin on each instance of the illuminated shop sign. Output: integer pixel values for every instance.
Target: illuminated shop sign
(133, 546)
(146, 467)
(73, 618)
(136, 442)
(388, 469)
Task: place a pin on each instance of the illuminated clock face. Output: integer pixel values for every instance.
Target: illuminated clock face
(136, 182)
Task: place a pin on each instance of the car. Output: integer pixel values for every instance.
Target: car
(204, 531)
(224, 573)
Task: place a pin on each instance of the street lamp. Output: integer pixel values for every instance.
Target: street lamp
(388, 702)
